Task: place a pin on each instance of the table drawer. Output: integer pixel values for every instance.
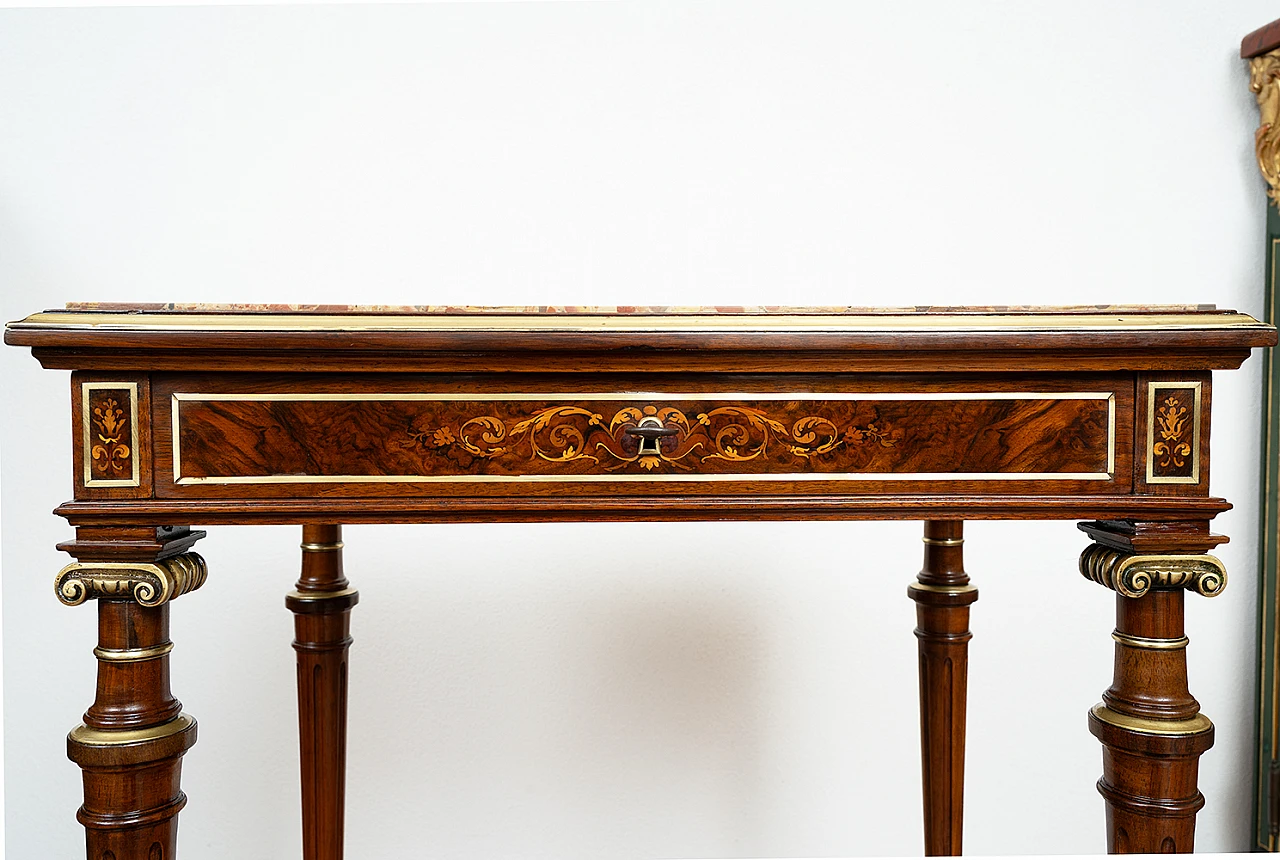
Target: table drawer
(382, 441)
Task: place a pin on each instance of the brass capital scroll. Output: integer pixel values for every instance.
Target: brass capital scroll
(1133, 575)
(1264, 82)
(147, 584)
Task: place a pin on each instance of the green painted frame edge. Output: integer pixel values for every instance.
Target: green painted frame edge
(1267, 772)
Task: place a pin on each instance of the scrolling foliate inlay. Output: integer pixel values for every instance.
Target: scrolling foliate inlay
(562, 434)
(1264, 82)
(149, 584)
(1133, 575)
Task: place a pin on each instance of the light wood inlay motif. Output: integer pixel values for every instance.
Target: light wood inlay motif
(1173, 433)
(110, 421)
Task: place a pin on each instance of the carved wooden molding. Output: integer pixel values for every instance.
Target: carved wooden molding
(148, 584)
(1264, 82)
(1133, 575)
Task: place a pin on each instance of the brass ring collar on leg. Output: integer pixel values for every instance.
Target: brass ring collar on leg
(1150, 644)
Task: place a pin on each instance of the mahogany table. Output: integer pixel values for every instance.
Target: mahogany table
(319, 416)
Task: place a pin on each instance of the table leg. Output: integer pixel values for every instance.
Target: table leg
(1150, 726)
(943, 594)
(321, 605)
(133, 737)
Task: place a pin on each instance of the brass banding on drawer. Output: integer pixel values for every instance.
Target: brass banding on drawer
(376, 437)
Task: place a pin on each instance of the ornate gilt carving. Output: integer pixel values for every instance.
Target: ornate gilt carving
(1133, 575)
(562, 434)
(148, 584)
(1264, 73)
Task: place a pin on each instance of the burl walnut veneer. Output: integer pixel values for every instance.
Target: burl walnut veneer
(320, 416)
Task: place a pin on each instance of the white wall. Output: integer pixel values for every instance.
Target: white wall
(592, 691)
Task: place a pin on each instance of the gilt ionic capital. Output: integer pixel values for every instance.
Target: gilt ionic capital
(147, 583)
(1134, 574)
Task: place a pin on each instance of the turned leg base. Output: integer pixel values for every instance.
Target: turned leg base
(1150, 726)
(135, 816)
(131, 743)
(1149, 781)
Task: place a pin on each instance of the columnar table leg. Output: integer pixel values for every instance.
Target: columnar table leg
(322, 623)
(943, 594)
(133, 737)
(1151, 728)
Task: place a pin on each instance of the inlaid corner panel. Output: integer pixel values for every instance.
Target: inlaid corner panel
(370, 440)
(111, 442)
(1173, 434)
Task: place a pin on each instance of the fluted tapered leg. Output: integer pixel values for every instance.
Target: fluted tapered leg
(322, 605)
(943, 595)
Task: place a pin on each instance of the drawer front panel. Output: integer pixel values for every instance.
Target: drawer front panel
(274, 439)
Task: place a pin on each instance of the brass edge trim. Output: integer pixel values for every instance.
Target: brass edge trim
(943, 541)
(653, 395)
(174, 404)
(321, 547)
(1111, 434)
(1198, 724)
(178, 397)
(89, 737)
(1150, 644)
(498, 322)
(944, 589)
(135, 437)
(1152, 388)
(792, 476)
(320, 595)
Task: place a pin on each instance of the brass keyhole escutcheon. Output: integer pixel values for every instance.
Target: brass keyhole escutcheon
(650, 431)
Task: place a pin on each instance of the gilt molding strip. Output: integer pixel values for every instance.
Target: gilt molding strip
(178, 398)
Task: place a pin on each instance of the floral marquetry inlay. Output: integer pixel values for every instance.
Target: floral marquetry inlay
(1173, 437)
(1174, 445)
(110, 426)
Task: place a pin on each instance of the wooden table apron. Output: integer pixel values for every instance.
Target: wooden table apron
(323, 416)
